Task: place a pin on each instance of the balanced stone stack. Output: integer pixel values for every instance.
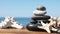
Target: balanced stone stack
(39, 15)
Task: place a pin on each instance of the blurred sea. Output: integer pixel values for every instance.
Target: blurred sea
(20, 20)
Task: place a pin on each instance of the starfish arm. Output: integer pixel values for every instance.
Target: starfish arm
(42, 23)
(48, 30)
(53, 29)
(40, 27)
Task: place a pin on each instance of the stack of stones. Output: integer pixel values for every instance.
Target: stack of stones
(39, 16)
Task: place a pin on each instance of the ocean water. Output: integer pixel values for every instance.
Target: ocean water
(20, 20)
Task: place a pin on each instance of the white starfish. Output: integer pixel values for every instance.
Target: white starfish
(47, 27)
(15, 24)
(4, 23)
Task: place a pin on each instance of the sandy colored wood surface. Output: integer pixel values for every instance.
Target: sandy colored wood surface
(21, 31)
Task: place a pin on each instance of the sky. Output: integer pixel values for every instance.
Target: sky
(25, 8)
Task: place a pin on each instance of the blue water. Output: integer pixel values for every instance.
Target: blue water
(23, 20)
